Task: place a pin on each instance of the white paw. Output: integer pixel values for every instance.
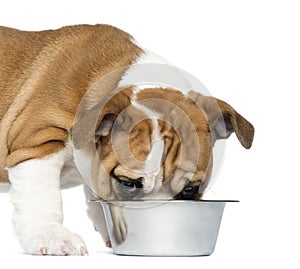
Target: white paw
(53, 240)
(120, 229)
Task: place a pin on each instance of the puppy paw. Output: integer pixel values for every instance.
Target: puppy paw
(53, 240)
(120, 229)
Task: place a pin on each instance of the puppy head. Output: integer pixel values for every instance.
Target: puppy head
(157, 143)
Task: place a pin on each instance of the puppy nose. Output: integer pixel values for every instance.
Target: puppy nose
(189, 191)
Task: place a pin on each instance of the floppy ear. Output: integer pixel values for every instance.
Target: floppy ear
(224, 120)
(83, 131)
(105, 125)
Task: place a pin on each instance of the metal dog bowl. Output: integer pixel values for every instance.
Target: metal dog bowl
(164, 228)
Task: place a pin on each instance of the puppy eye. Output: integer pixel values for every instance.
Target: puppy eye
(189, 192)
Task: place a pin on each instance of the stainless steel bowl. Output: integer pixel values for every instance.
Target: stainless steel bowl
(164, 228)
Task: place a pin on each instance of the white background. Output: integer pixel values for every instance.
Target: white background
(246, 53)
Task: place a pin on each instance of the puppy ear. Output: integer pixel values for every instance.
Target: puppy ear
(233, 122)
(224, 120)
(105, 125)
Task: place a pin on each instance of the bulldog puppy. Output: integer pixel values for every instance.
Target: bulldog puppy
(171, 139)
(149, 141)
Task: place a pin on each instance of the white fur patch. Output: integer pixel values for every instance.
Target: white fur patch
(161, 74)
(153, 164)
(150, 113)
(70, 176)
(153, 161)
(38, 215)
(135, 74)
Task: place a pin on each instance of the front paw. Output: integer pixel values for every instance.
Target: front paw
(120, 228)
(53, 240)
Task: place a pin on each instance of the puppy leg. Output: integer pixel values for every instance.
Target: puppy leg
(120, 225)
(96, 214)
(38, 213)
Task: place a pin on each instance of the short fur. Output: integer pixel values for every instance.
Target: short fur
(43, 79)
(45, 74)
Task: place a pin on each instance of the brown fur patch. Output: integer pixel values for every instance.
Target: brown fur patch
(175, 125)
(43, 76)
(215, 108)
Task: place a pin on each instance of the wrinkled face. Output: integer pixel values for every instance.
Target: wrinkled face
(157, 143)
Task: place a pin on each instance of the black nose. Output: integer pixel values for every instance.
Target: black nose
(127, 187)
(189, 192)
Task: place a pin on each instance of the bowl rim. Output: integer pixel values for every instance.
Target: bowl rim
(163, 201)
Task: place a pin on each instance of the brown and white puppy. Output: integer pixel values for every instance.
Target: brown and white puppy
(143, 148)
